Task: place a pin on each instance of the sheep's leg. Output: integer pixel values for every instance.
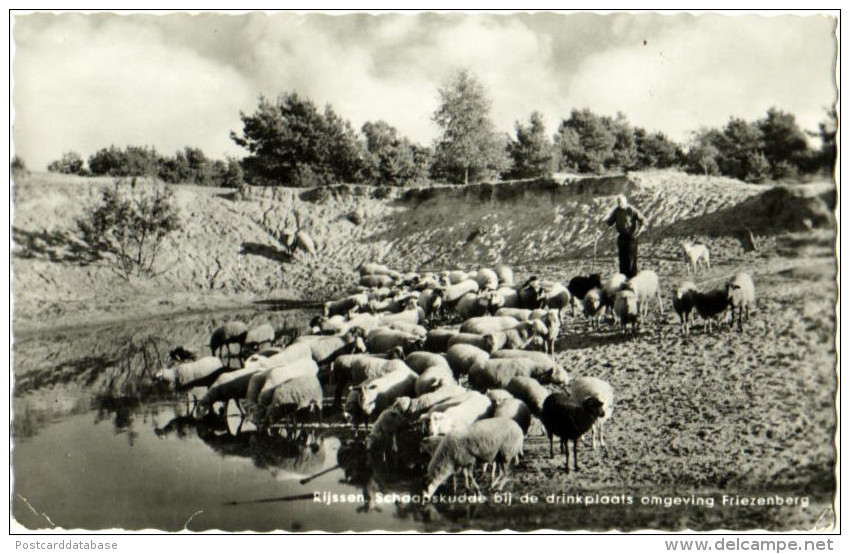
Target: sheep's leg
(602, 435)
(660, 303)
(575, 455)
(594, 431)
(566, 456)
(551, 445)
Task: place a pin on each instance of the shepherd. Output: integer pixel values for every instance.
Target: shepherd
(630, 224)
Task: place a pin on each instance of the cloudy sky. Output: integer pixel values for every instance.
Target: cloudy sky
(82, 82)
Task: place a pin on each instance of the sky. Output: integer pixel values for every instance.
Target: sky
(82, 82)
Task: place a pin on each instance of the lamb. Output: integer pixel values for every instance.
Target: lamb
(345, 305)
(382, 340)
(198, 373)
(294, 395)
(626, 309)
(488, 324)
(709, 305)
(497, 373)
(378, 393)
(530, 391)
(433, 378)
(438, 339)
(229, 386)
(462, 357)
(487, 279)
(456, 412)
(569, 422)
(583, 387)
(506, 275)
(694, 254)
(496, 440)
(684, 302)
(259, 335)
(645, 286)
(740, 294)
(515, 409)
(415, 407)
(552, 321)
(592, 306)
(232, 332)
(420, 360)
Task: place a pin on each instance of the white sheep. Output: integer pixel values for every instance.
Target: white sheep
(228, 386)
(456, 412)
(626, 309)
(325, 349)
(421, 360)
(378, 393)
(453, 293)
(645, 286)
(415, 407)
(496, 441)
(232, 332)
(305, 367)
(488, 324)
(381, 340)
(294, 395)
(740, 294)
(497, 373)
(530, 391)
(592, 306)
(462, 357)
(487, 279)
(197, 373)
(472, 304)
(486, 343)
(583, 387)
(520, 314)
(345, 305)
(514, 409)
(506, 275)
(433, 378)
(694, 255)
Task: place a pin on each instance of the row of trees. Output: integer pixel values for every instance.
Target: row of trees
(290, 141)
(189, 165)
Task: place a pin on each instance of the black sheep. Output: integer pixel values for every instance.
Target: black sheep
(709, 305)
(569, 422)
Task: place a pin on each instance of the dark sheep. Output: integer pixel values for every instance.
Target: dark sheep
(569, 422)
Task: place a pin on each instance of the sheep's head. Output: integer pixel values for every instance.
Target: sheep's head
(401, 405)
(593, 406)
(165, 376)
(559, 376)
(438, 424)
(396, 353)
(734, 294)
(497, 300)
(490, 343)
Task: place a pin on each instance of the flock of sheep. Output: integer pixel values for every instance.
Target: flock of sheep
(463, 362)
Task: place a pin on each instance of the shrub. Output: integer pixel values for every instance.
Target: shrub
(131, 224)
(70, 163)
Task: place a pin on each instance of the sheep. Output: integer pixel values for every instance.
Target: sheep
(626, 309)
(306, 243)
(515, 409)
(258, 336)
(472, 305)
(740, 294)
(229, 386)
(462, 357)
(352, 411)
(455, 277)
(506, 297)
(182, 354)
(293, 396)
(530, 391)
(409, 328)
(378, 393)
(496, 440)
(518, 337)
(539, 358)
(611, 285)
(431, 300)
(684, 299)
(410, 315)
(487, 279)
(583, 387)
(569, 422)
(456, 412)
(291, 353)
(592, 306)
(438, 339)
(531, 294)
(415, 407)
(370, 268)
(345, 305)
(486, 343)
(420, 360)
(385, 429)
(506, 275)
(382, 340)
(325, 349)
(497, 373)
(520, 314)
(694, 254)
(433, 378)
(709, 305)
(579, 286)
(356, 368)
(552, 321)
(375, 281)
(558, 297)
(453, 293)
(488, 324)
(365, 322)
(197, 373)
(279, 375)
(497, 395)
(232, 332)
(645, 286)
(333, 325)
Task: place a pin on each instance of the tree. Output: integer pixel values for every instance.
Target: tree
(782, 138)
(131, 225)
(291, 142)
(655, 150)
(70, 163)
(469, 146)
(624, 154)
(133, 161)
(738, 145)
(391, 158)
(824, 158)
(532, 152)
(585, 142)
(702, 155)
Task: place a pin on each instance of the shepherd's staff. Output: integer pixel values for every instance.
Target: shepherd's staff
(307, 496)
(306, 480)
